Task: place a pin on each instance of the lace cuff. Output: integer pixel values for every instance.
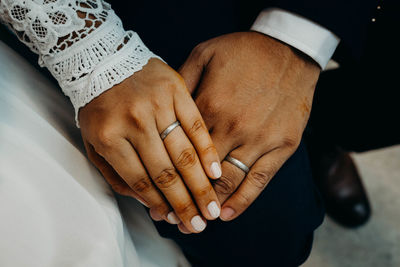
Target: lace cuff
(103, 60)
(82, 43)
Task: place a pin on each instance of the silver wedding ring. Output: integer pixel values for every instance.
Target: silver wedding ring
(238, 164)
(169, 129)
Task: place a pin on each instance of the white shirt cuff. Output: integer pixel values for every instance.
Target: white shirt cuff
(299, 32)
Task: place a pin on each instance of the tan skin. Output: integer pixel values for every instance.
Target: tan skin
(255, 95)
(121, 131)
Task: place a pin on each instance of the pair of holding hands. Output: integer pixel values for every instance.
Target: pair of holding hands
(252, 99)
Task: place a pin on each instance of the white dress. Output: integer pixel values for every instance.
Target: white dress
(55, 208)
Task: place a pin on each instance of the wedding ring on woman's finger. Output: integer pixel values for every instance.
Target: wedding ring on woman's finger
(238, 164)
(169, 129)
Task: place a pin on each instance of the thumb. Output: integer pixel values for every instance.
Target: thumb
(192, 70)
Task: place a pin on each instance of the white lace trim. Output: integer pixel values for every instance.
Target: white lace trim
(113, 70)
(82, 43)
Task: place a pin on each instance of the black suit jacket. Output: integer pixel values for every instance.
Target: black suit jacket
(173, 28)
(348, 19)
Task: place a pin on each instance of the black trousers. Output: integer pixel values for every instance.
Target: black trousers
(277, 230)
(356, 106)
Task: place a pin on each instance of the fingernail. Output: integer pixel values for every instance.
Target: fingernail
(213, 209)
(155, 215)
(172, 218)
(198, 223)
(183, 229)
(216, 169)
(227, 213)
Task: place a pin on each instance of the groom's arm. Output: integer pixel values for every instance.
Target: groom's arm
(347, 19)
(307, 36)
(255, 93)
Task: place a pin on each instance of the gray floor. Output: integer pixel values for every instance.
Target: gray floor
(378, 242)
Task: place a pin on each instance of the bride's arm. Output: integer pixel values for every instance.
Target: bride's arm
(82, 43)
(123, 110)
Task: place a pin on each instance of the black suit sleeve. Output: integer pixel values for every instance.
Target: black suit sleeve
(348, 19)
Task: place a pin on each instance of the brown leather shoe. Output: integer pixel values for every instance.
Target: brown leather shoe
(340, 185)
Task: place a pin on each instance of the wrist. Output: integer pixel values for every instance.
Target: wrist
(312, 39)
(286, 51)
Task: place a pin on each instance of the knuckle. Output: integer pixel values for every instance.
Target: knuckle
(186, 159)
(290, 142)
(172, 85)
(260, 138)
(259, 178)
(209, 149)
(224, 186)
(184, 208)
(244, 199)
(141, 185)
(162, 209)
(208, 108)
(197, 127)
(167, 178)
(136, 117)
(198, 50)
(203, 192)
(106, 137)
(208, 113)
(156, 102)
(234, 125)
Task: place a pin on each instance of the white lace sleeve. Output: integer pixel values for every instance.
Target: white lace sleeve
(82, 43)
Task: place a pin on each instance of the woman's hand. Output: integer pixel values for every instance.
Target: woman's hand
(255, 95)
(121, 131)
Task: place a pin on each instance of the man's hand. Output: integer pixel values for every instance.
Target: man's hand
(255, 95)
(121, 131)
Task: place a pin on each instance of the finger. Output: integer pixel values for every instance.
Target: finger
(172, 218)
(186, 161)
(232, 176)
(126, 163)
(183, 229)
(192, 69)
(121, 187)
(164, 175)
(195, 129)
(112, 178)
(254, 183)
(155, 215)
(223, 143)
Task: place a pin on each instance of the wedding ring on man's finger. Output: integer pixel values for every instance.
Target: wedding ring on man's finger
(169, 129)
(238, 163)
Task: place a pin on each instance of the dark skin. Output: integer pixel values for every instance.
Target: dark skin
(255, 95)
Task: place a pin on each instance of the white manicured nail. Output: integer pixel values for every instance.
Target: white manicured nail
(216, 170)
(198, 224)
(213, 209)
(172, 218)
